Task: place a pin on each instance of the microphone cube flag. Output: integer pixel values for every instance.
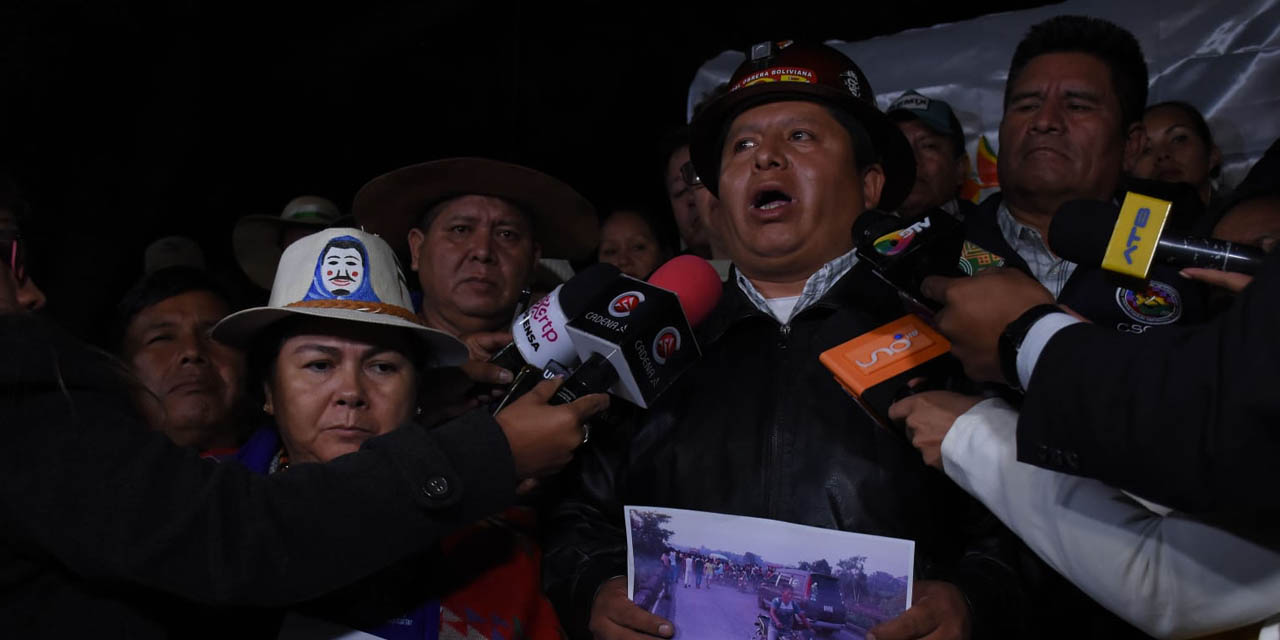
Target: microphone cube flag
(643, 333)
(874, 366)
(1137, 232)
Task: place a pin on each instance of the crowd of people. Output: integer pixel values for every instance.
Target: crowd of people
(330, 460)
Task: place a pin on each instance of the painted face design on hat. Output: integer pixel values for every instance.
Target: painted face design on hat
(342, 272)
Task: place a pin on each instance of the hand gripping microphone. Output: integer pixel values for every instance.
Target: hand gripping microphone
(1129, 239)
(636, 337)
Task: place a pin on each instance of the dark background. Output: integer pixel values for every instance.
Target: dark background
(127, 121)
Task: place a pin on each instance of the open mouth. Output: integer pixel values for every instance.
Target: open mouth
(341, 281)
(770, 199)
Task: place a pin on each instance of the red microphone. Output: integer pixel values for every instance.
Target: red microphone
(694, 281)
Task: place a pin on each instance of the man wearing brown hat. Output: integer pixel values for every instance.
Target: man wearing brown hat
(474, 230)
(795, 152)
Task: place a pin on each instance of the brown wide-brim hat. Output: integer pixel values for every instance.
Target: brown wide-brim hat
(564, 222)
(775, 72)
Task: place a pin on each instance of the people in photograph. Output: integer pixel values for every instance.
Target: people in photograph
(784, 613)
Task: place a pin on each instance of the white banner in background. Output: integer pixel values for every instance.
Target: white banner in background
(1222, 57)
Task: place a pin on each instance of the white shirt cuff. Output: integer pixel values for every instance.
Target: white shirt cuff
(1037, 337)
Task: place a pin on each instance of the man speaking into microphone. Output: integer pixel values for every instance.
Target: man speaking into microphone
(795, 151)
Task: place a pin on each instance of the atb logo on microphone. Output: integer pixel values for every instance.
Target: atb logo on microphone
(901, 342)
(625, 303)
(666, 344)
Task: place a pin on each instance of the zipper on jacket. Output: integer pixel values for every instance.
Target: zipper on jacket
(777, 425)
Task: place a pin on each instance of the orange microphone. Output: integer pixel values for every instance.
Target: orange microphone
(876, 366)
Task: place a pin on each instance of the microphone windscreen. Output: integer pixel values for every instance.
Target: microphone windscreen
(1081, 230)
(579, 290)
(872, 224)
(694, 281)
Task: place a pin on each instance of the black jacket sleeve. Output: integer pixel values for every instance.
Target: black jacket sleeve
(584, 544)
(1189, 418)
(85, 486)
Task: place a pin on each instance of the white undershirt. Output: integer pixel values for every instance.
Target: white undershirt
(782, 307)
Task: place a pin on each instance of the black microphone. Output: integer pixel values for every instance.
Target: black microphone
(904, 251)
(637, 337)
(1129, 238)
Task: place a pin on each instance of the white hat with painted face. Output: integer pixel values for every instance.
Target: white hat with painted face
(345, 274)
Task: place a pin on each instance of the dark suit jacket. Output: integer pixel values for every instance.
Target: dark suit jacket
(104, 524)
(1189, 418)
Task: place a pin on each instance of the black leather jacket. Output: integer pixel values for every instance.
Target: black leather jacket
(760, 428)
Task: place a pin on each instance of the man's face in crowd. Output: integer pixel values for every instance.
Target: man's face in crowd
(196, 379)
(684, 198)
(789, 190)
(1062, 137)
(939, 171)
(473, 260)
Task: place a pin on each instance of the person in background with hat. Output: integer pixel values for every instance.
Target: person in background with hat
(194, 384)
(106, 524)
(795, 152)
(473, 229)
(333, 375)
(942, 164)
(258, 240)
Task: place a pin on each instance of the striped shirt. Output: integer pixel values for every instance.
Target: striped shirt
(1052, 271)
(815, 287)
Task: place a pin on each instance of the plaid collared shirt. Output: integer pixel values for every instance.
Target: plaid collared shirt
(815, 287)
(1052, 271)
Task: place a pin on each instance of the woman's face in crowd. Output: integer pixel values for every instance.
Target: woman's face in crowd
(1174, 151)
(627, 242)
(336, 384)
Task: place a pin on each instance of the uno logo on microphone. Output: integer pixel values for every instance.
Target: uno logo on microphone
(901, 342)
(622, 305)
(884, 352)
(666, 344)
